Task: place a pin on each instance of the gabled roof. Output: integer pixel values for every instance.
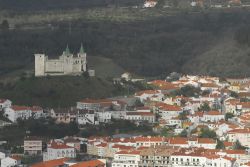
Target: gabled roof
(178, 140)
(56, 145)
(168, 107)
(133, 152)
(92, 163)
(141, 113)
(3, 100)
(239, 131)
(19, 108)
(213, 113)
(51, 163)
(147, 92)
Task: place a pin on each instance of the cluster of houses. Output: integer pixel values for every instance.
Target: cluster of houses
(220, 106)
(198, 3)
(167, 152)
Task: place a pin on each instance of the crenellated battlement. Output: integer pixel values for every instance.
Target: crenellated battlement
(66, 64)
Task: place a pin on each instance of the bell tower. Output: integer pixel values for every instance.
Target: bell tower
(83, 56)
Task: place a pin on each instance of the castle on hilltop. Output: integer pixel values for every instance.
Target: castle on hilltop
(67, 64)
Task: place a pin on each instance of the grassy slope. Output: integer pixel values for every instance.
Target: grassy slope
(56, 91)
(104, 67)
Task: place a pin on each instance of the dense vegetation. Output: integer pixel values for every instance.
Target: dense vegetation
(116, 127)
(62, 4)
(202, 42)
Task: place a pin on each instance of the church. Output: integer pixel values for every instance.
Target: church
(66, 64)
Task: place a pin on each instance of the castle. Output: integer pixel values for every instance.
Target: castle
(67, 64)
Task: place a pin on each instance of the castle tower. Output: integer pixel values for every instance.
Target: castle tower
(67, 61)
(40, 64)
(67, 51)
(82, 54)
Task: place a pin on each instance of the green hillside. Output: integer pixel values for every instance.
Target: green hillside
(57, 91)
(147, 42)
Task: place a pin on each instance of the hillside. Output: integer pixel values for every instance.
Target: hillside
(146, 42)
(57, 91)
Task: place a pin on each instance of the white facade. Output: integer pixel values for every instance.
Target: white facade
(2, 155)
(17, 112)
(104, 116)
(10, 162)
(128, 159)
(242, 135)
(86, 118)
(219, 162)
(33, 146)
(167, 115)
(207, 117)
(187, 160)
(5, 103)
(59, 152)
(140, 116)
(67, 64)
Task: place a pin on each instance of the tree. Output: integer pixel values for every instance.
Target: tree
(188, 91)
(138, 103)
(220, 145)
(228, 116)
(207, 133)
(175, 3)
(165, 132)
(238, 146)
(5, 25)
(160, 4)
(204, 107)
(234, 94)
(183, 116)
(183, 133)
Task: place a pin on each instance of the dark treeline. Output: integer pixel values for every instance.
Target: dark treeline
(33, 5)
(151, 47)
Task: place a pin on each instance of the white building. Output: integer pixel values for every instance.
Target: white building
(33, 145)
(169, 111)
(2, 155)
(58, 150)
(17, 112)
(146, 94)
(86, 117)
(5, 103)
(126, 158)
(140, 116)
(37, 112)
(67, 64)
(150, 3)
(11, 161)
(213, 116)
(242, 135)
(217, 161)
(103, 116)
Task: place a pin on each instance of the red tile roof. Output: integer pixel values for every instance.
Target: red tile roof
(92, 163)
(146, 92)
(51, 163)
(141, 113)
(20, 108)
(3, 100)
(239, 131)
(235, 151)
(213, 113)
(206, 141)
(133, 152)
(55, 145)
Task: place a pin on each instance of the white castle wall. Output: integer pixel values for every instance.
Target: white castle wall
(67, 64)
(39, 64)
